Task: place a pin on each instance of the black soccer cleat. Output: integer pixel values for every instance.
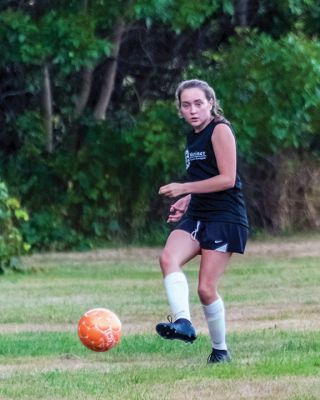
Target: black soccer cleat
(181, 329)
(219, 356)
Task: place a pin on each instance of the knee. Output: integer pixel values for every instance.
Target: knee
(207, 293)
(166, 261)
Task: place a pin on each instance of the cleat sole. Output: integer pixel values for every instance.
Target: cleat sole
(169, 333)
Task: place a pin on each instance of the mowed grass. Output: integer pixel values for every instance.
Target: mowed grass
(272, 304)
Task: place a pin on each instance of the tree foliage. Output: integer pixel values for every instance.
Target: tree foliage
(11, 242)
(271, 98)
(86, 100)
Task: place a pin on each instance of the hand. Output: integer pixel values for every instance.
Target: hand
(172, 189)
(178, 209)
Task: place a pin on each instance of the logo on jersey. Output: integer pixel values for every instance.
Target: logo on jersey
(192, 156)
(187, 158)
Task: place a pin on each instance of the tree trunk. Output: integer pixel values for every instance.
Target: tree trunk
(47, 107)
(241, 14)
(85, 91)
(87, 75)
(109, 73)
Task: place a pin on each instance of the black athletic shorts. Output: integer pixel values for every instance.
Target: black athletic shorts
(219, 236)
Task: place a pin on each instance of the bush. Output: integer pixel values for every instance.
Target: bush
(104, 191)
(12, 244)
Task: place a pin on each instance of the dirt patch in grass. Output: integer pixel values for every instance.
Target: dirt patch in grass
(286, 248)
(124, 254)
(280, 316)
(245, 389)
(63, 363)
(30, 327)
(245, 319)
(251, 318)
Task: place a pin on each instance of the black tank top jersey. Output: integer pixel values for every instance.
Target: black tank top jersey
(224, 206)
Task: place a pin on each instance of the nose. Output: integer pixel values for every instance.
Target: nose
(192, 109)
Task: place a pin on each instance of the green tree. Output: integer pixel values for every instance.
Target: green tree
(83, 126)
(270, 90)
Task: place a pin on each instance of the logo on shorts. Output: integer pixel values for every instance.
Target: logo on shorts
(222, 248)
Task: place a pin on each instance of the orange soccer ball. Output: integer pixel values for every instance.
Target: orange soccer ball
(99, 329)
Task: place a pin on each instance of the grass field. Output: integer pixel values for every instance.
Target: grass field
(272, 300)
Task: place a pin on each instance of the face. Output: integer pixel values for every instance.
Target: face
(195, 108)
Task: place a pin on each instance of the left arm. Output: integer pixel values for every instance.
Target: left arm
(224, 148)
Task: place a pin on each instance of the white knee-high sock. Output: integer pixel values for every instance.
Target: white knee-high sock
(215, 316)
(177, 289)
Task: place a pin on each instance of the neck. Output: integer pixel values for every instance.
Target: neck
(200, 128)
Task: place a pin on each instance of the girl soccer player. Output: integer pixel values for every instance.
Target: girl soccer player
(211, 216)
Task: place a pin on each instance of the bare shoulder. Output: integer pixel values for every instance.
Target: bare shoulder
(222, 132)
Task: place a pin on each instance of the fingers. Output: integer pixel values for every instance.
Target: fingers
(171, 190)
(175, 215)
(164, 190)
(179, 207)
(174, 218)
(174, 209)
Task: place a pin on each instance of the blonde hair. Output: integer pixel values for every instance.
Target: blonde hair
(207, 90)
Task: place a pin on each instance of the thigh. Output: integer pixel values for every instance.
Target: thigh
(213, 264)
(179, 249)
